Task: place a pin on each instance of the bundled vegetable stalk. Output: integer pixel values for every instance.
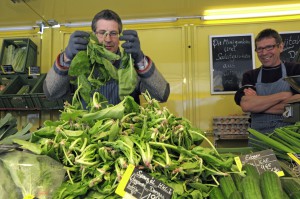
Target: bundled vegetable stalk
(8, 55)
(93, 68)
(96, 146)
(283, 140)
(18, 62)
(15, 56)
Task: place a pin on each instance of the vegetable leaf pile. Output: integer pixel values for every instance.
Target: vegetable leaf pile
(96, 146)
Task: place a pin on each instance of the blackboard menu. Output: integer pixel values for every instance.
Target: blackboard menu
(230, 57)
(291, 41)
(263, 161)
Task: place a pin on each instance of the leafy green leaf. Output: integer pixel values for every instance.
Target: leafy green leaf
(127, 77)
(80, 64)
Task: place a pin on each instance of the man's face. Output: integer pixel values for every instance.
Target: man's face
(268, 51)
(107, 32)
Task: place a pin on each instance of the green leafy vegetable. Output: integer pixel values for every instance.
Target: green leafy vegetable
(94, 68)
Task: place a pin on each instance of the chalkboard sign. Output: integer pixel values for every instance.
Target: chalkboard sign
(34, 70)
(7, 69)
(263, 161)
(291, 41)
(137, 184)
(230, 57)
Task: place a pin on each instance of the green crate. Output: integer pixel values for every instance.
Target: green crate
(5, 81)
(25, 44)
(13, 100)
(40, 100)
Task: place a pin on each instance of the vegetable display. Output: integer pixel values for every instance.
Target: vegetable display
(96, 145)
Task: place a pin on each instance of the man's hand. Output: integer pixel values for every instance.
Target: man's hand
(78, 41)
(250, 92)
(132, 45)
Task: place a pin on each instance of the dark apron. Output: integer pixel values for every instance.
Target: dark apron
(263, 122)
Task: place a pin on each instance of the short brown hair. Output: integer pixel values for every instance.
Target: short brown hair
(107, 15)
(268, 33)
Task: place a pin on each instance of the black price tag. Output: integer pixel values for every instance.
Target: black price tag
(263, 161)
(7, 69)
(34, 70)
(137, 184)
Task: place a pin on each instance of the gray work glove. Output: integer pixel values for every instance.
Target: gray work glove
(132, 45)
(78, 41)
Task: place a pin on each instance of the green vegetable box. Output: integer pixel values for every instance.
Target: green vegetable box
(16, 95)
(25, 92)
(5, 81)
(39, 99)
(19, 53)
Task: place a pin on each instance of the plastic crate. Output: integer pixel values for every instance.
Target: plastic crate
(11, 99)
(39, 98)
(5, 81)
(25, 44)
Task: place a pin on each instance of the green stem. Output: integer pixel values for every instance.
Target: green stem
(207, 140)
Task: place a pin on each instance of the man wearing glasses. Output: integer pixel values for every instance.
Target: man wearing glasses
(264, 92)
(107, 26)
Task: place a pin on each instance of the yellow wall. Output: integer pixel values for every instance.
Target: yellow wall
(181, 52)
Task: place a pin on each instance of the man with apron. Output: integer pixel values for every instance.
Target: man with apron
(264, 92)
(264, 122)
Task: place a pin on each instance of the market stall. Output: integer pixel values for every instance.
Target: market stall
(140, 151)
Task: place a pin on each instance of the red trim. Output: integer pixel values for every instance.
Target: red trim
(147, 67)
(60, 67)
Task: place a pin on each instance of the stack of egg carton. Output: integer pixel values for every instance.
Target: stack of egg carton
(231, 127)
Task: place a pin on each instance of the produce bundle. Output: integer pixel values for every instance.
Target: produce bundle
(8, 55)
(93, 68)
(96, 146)
(283, 140)
(15, 56)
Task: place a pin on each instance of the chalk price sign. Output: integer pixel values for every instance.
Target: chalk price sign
(263, 161)
(137, 184)
(7, 69)
(34, 70)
